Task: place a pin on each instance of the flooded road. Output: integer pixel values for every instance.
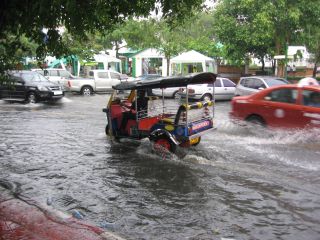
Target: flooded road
(239, 183)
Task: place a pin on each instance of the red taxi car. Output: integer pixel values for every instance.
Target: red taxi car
(285, 106)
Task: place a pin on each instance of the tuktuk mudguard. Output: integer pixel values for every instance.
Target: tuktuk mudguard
(162, 132)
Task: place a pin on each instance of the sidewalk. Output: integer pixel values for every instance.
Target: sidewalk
(22, 218)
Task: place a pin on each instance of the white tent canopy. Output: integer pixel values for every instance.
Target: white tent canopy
(190, 57)
(142, 62)
(182, 64)
(108, 61)
(102, 57)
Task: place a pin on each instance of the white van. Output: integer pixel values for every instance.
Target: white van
(56, 75)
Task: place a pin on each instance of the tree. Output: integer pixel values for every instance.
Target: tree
(152, 33)
(29, 18)
(13, 49)
(259, 28)
(83, 47)
(199, 35)
(244, 28)
(310, 33)
(195, 33)
(311, 36)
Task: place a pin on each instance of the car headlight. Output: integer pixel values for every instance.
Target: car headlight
(42, 88)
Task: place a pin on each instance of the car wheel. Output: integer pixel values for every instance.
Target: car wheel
(206, 97)
(163, 142)
(257, 120)
(175, 95)
(86, 91)
(31, 98)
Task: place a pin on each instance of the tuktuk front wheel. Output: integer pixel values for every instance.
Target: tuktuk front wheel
(163, 142)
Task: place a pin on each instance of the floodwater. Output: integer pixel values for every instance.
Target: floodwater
(238, 183)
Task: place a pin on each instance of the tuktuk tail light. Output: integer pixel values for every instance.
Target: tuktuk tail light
(69, 83)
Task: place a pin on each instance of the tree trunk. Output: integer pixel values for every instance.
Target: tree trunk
(246, 67)
(314, 73)
(263, 64)
(273, 66)
(281, 69)
(117, 49)
(168, 65)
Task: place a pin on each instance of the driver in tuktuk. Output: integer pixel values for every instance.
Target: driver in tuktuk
(131, 113)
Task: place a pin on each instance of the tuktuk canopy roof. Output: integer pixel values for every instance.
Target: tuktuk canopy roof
(167, 82)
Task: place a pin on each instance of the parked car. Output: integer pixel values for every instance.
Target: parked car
(285, 106)
(224, 90)
(253, 84)
(29, 86)
(98, 81)
(56, 75)
(150, 92)
(171, 92)
(148, 76)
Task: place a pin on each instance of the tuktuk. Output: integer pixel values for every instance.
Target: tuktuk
(167, 125)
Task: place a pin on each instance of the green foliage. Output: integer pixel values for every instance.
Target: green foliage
(260, 28)
(83, 47)
(195, 33)
(29, 18)
(140, 34)
(13, 49)
(244, 28)
(199, 34)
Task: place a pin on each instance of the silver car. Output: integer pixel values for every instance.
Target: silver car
(167, 92)
(224, 89)
(56, 75)
(253, 84)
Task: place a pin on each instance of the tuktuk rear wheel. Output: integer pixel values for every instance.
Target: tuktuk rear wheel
(107, 130)
(163, 142)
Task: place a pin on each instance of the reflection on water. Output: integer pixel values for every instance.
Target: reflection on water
(239, 183)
